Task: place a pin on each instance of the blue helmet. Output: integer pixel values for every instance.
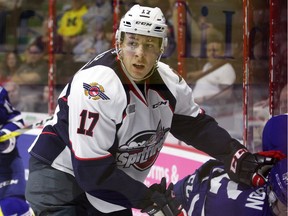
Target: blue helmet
(278, 180)
(274, 135)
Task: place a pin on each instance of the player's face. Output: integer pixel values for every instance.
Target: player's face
(214, 50)
(139, 54)
(11, 60)
(278, 208)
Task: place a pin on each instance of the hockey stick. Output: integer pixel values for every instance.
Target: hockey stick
(23, 130)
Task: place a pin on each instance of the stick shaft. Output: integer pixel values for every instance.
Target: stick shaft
(18, 132)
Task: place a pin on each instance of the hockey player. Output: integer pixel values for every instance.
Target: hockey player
(12, 177)
(210, 192)
(110, 125)
(210, 188)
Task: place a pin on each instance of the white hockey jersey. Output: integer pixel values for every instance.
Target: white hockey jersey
(108, 131)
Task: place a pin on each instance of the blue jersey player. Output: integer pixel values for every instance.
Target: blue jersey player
(209, 191)
(12, 178)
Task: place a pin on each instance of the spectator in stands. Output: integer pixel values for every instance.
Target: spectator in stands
(71, 24)
(36, 102)
(34, 69)
(41, 100)
(71, 27)
(91, 45)
(9, 14)
(16, 98)
(99, 12)
(9, 66)
(12, 176)
(41, 104)
(216, 75)
(65, 69)
(42, 41)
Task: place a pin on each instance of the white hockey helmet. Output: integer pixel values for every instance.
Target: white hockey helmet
(144, 21)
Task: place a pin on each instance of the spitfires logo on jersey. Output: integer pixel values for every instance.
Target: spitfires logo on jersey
(142, 150)
(95, 91)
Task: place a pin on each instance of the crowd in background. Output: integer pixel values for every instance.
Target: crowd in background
(81, 32)
(84, 28)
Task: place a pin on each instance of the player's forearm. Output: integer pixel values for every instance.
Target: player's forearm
(204, 133)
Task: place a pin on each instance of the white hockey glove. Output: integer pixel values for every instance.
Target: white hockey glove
(252, 169)
(8, 145)
(164, 201)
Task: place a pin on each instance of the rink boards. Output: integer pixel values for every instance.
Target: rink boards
(175, 161)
